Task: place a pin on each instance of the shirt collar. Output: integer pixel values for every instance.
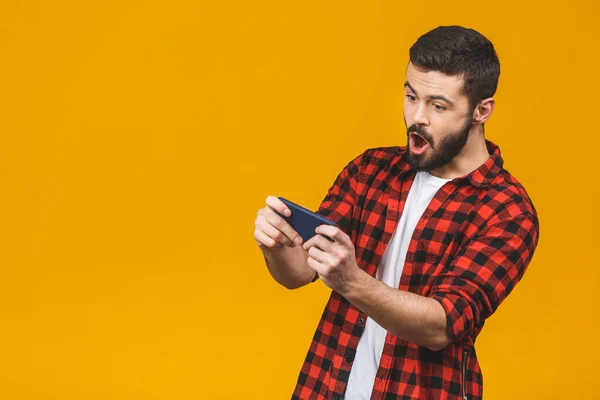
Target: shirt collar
(481, 177)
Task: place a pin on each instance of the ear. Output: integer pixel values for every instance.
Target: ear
(483, 111)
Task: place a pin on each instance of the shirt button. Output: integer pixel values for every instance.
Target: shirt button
(361, 321)
(336, 397)
(349, 359)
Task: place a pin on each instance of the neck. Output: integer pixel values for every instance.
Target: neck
(471, 157)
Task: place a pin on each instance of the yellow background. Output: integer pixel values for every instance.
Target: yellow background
(138, 140)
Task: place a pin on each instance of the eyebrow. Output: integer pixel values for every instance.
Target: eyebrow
(431, 97)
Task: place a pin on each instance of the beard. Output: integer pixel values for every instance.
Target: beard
(442, 152)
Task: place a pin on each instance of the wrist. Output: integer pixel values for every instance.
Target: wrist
(359, 282)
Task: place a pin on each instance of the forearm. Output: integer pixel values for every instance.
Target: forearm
(288, 266)
(417, 319)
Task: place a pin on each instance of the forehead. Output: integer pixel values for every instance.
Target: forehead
(435, 83)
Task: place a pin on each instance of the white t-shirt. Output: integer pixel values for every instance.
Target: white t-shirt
(370, 345)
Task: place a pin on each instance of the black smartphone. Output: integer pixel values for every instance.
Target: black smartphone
(303, 220)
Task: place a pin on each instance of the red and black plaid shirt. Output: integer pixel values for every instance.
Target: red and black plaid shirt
(468, 251)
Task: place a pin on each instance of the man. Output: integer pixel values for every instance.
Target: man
(430, 239)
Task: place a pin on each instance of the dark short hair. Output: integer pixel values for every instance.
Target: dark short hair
(455, 50)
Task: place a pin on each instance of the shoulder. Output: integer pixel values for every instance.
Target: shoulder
(510, 198)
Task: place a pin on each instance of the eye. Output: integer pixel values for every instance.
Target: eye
(411, 97)
(439, 107)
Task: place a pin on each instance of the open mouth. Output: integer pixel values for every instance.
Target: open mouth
(417, 143)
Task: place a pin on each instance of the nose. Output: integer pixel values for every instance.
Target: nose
(420, 118)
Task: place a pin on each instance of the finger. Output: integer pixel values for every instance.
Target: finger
(273, 232)
(314, 241)
(334, 233)
(283, 226)
(263, 240)
(310, 242)
(320, 255)
(319, 268)
(276, 204)
(319, 241)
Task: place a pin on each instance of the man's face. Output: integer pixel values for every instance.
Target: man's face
(438, 118)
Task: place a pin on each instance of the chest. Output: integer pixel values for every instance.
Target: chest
(449, 217)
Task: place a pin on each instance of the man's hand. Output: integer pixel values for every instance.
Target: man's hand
(271, 230)
(280, 245)
(334, 261)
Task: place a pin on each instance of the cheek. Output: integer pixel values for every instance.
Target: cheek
(440, 127)
(444, 124)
